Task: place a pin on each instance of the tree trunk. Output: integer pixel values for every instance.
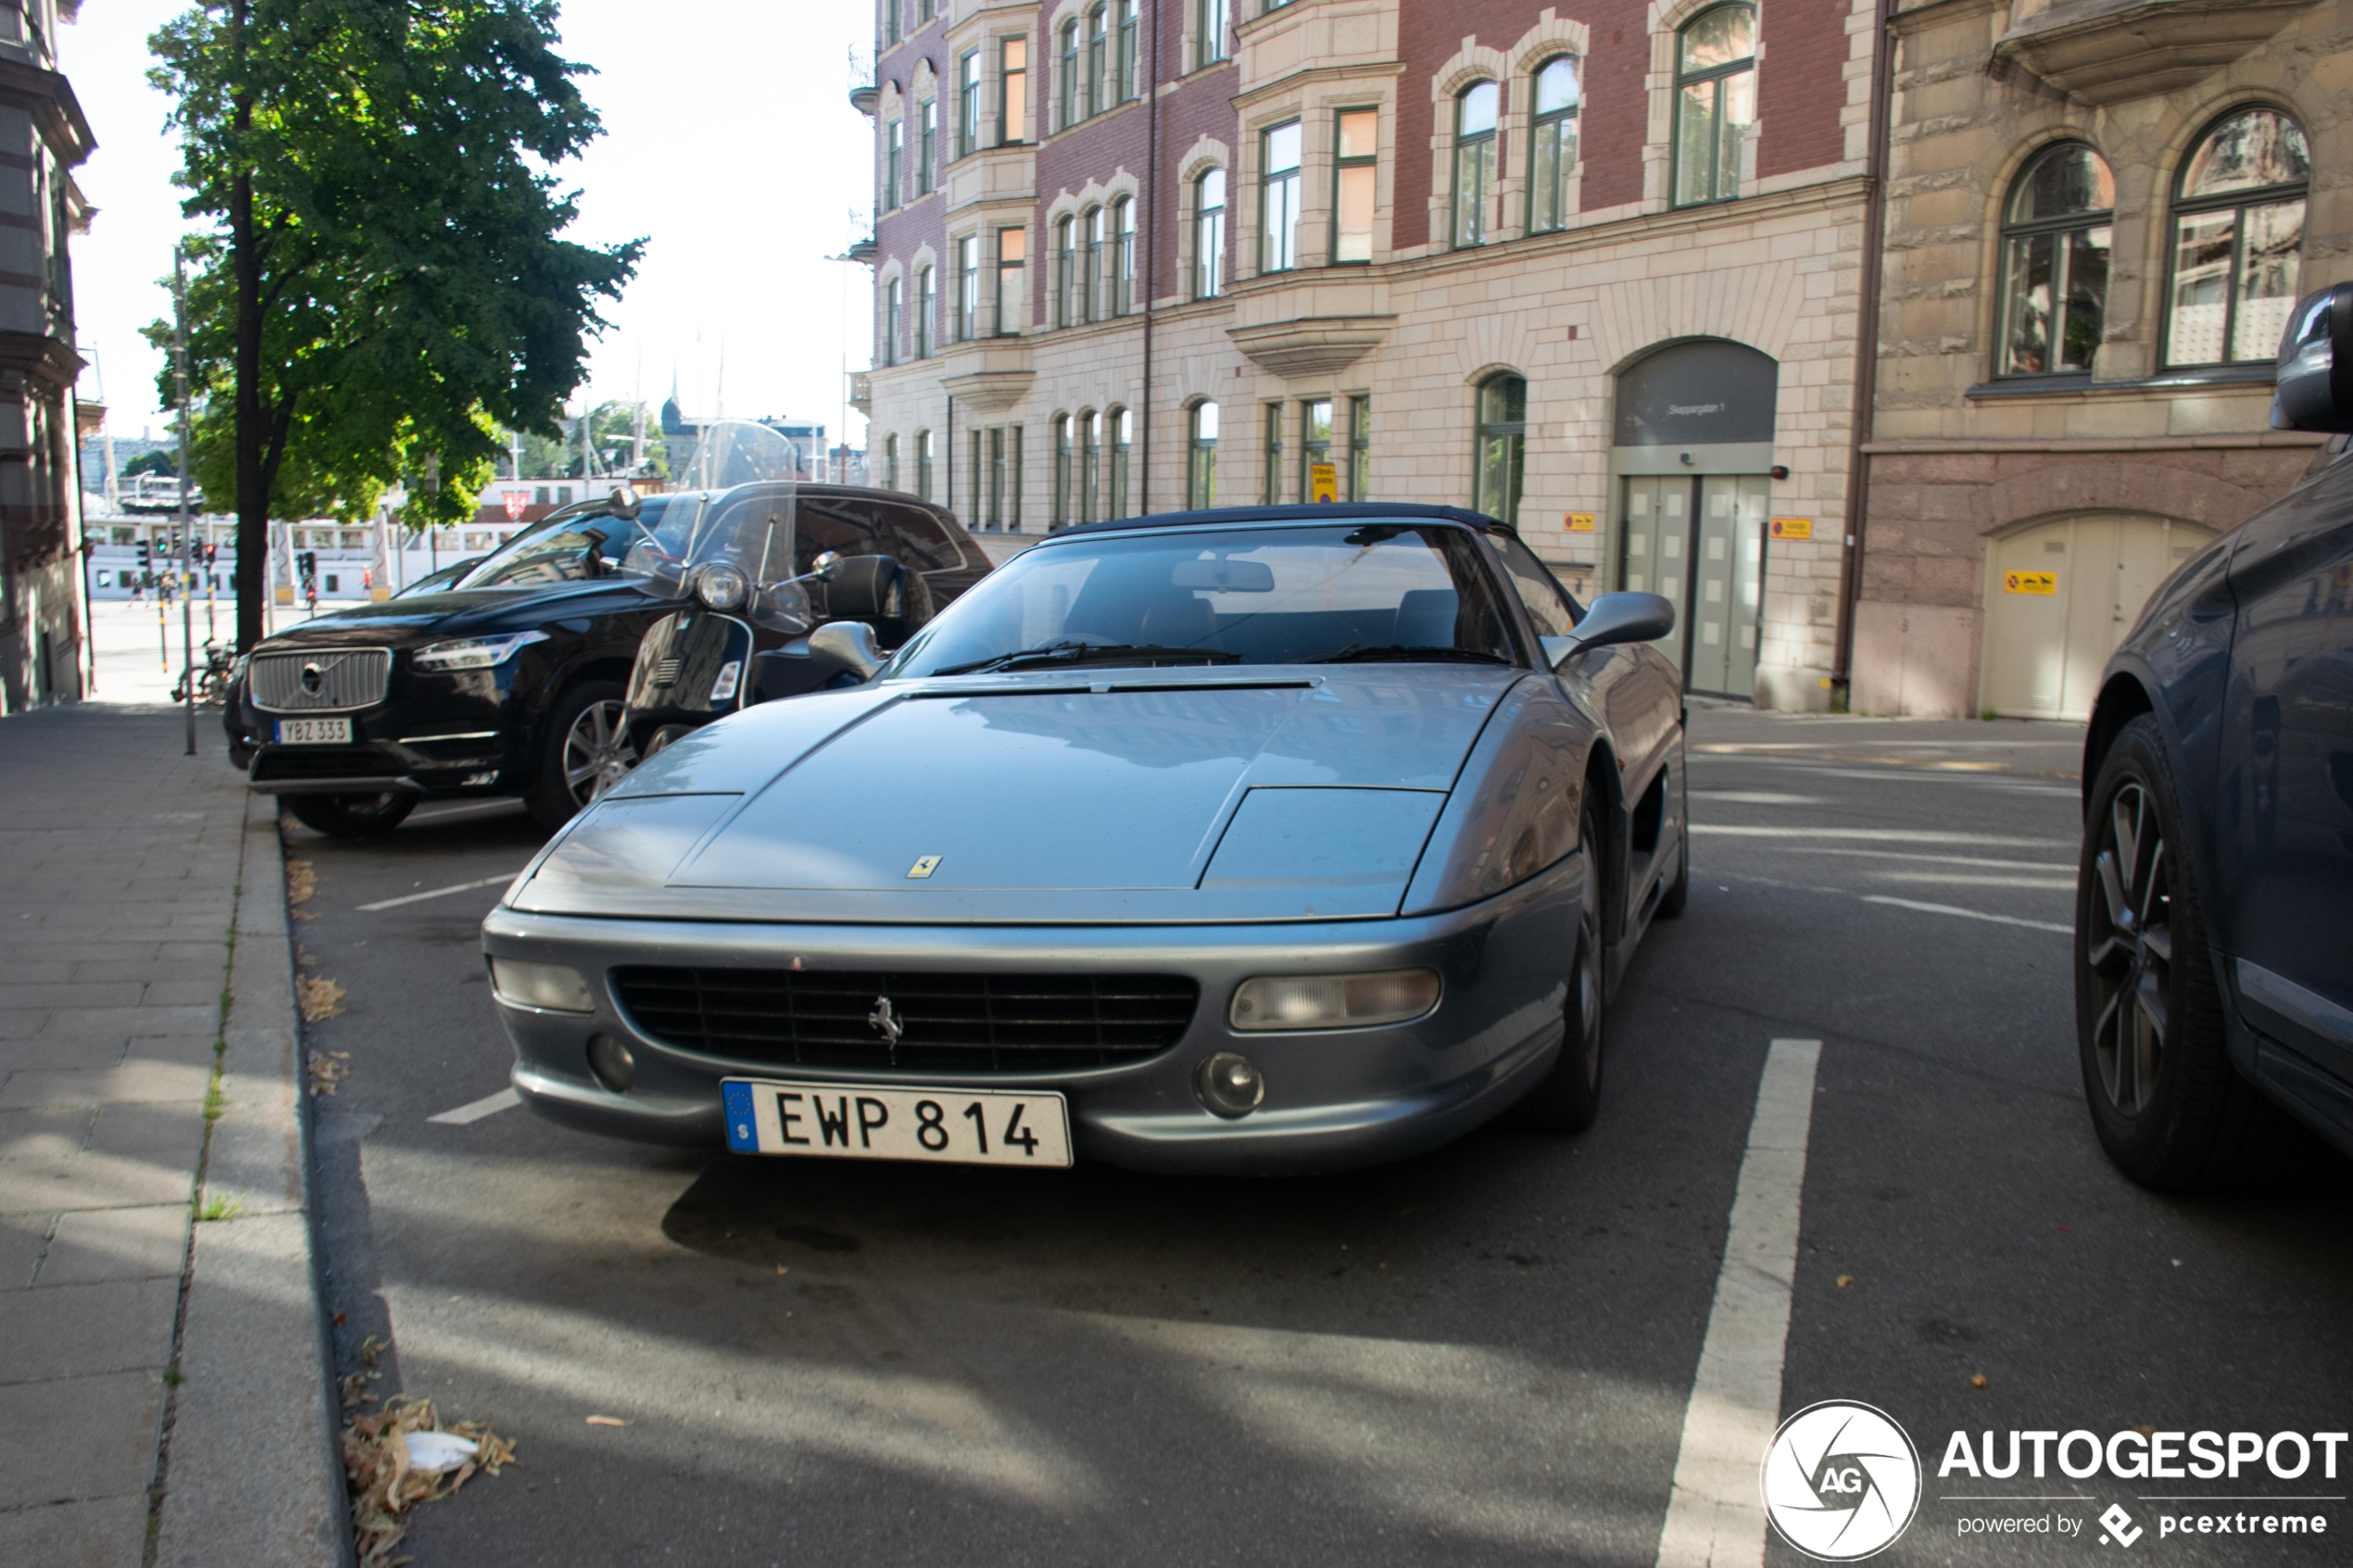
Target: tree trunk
(253, 488)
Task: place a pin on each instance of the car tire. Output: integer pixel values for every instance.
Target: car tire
(350, 816)
(2171, 1108)
(1678, 892)
(1568, 1097)
(582, 741)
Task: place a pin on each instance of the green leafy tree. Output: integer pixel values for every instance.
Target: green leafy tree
(381, 279)
(158, 462)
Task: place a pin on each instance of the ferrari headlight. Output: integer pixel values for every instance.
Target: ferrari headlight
(473, 653)
(722, 586)
(554, 986)
(1333, 1001)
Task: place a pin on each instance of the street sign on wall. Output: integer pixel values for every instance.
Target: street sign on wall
(515, 501)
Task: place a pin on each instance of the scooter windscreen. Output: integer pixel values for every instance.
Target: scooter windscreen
(725, 541)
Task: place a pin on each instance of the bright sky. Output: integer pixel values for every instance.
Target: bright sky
(729, 143)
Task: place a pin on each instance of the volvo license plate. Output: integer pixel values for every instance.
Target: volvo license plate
(314, 732)
(878, 1122)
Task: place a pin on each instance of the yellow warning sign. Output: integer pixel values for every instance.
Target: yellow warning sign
(2029, 582)
(1578, 522)
(1792, 528)
(1323, 483)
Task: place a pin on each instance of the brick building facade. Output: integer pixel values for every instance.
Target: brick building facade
(1593, 264)
(2098, 212)
(43, 137)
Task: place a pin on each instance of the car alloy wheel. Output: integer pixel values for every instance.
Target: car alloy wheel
(2130, 950)
(596, 756)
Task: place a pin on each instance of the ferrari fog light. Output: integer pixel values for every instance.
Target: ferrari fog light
(1230, 1086)
(554, 986)
(1333, 1001)
(612, 1064)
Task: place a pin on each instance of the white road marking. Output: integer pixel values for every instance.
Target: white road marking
(1755, 797)
(1967, 914)
(489, 1104)
(438, 892)
(1884, 835)
(1715, 1514)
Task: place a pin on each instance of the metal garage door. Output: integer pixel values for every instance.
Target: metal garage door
(2061, 595)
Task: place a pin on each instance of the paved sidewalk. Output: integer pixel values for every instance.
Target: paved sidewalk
(128, 1359)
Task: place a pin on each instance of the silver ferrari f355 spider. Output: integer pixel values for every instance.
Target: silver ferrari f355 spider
(1266, 839)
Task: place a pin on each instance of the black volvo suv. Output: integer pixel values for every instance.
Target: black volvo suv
(510, 682)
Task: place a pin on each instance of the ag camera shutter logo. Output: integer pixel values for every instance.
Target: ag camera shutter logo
(1841, 1481)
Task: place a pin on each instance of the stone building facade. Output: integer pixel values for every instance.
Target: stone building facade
(43, 137)
(2098, 212)
(1591, 265)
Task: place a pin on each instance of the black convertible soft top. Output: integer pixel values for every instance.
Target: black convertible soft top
(1329, 511)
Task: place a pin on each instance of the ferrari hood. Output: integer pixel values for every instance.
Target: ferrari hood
(1278, 790)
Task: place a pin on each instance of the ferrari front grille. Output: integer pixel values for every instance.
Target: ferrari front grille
(995, 1022)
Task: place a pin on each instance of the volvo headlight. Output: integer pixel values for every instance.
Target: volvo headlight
(473, 653)
(722, 586)
(1333, 1001)
(554, 986)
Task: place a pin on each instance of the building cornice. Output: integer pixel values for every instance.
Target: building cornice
(48, 97)
(1291, 80)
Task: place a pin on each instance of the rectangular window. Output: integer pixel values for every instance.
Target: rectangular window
(892, 31)
(1122, 258)
(1354, 172)
(1209, 235)
(1209, 42)
(925, 11)
(894, 157)
(1091, 288)
(1013, 90)
(893, 296)
(1315, 444)
(1065, 272)
(1123, 435)
(967, 288)
(968, 104)
(927, 146)
(1066, 94)
(1060, 516)
(1271, 483)
(1096, 88)
(992, 509)
(891, 462)
(1360, 448)
(1278, 198)
(1013, 478)
(1090, 464)
(1552, 142)
(1126, 50)
(927, 302)
(923, 465)
(1200, 465)
(1012, 282)
(976, 473)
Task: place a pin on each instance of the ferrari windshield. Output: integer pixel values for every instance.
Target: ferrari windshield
(560, 549)
(1381, 591)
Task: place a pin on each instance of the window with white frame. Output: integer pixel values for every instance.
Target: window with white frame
(1715, 101)
(968, 104)
(1551, 141)
(1209, 35)
(1123, 256)
(967, 288)
(1065, 272)
(1475, 116)
(894, 161)
(1200, 457)
(1279, 197)
(927, 302)
(2238, 240)
(1209, 234)
(1355, 171)
(1126, 51)
(1013, 281)
(927, 146)
(894, 296)
(1012, 89)
(1066, 110)
(1090, 287)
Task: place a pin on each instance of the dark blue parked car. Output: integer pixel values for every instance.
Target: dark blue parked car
(2214, 905)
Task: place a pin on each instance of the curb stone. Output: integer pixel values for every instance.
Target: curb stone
(255, 1474)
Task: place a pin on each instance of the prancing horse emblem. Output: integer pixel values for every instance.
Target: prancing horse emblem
(885, 1023)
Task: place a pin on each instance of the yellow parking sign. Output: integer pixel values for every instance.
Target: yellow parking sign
(1323, 483)
(2029, 582)
(1578, 522)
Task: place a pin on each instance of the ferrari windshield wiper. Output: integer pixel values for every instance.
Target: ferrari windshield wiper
(1398, 653)
(1093, 653)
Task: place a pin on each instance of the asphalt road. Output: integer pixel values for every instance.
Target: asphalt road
(1482, 1356)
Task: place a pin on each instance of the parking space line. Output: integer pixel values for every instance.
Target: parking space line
(1967, 914)
(1715, 1514)
(436, 893)
(488, 1105)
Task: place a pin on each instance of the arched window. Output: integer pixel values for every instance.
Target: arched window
(1066, 110)
(1091, 461)
(1209, 40)
(2238, 240)
(1200, 457)
(1551, 141)
(1098, 89)
(923, 465)
(1123, 436)
(1126, 50)
(1123, 256)
(891, 462)
(1503, 445)
(894, 296)
(1715, 101)
(1475, 112)
(1209, 235)
(2056, 235)
(1091, 291)
(1061, 518)
(926, 301)
(1066, 273)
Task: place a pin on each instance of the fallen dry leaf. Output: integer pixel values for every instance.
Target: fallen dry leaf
(1977, 1381)
(608, 1421)
(1845, 1280)
(327, 1069)
(302, 881)
(321, 998)
(384, 1488)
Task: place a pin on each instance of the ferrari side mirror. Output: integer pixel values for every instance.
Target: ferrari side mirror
(846, 646)
(1615, 618)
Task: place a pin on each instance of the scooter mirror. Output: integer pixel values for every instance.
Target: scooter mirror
(624, 503)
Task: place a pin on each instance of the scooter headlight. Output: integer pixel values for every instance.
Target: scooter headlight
(722, 586)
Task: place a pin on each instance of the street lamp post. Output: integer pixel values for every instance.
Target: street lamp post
(187, 533)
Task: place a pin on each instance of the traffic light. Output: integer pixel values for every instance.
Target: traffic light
(146, 562)
(307, 564)
(211, 555)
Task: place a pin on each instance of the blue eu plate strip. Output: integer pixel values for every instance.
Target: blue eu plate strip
(742, 1134)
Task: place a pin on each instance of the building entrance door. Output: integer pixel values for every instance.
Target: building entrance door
(2061, 595)
(1700, 541)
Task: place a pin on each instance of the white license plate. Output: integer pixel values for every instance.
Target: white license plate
(314, 732)
(871, 1122)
